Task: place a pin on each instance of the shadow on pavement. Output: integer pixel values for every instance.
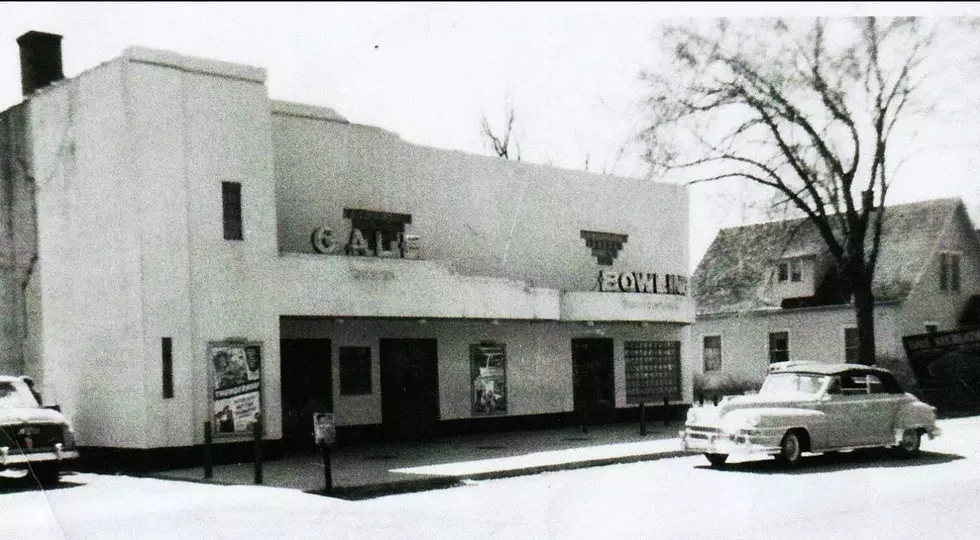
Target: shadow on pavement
(825, 463)
(27, 482)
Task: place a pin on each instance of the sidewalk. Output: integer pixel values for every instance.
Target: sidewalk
(372, 470)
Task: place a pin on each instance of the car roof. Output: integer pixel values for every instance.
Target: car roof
(823, 369)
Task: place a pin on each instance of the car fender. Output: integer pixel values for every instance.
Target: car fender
(915, 414)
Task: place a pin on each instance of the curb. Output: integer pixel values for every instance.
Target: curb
(444, 482)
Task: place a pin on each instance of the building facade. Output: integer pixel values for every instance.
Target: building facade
(181, 249)
(768, 292)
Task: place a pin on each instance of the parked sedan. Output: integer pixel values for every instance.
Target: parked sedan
(811, 407)
(32, 437)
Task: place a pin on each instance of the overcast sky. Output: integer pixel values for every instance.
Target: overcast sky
(427, 71)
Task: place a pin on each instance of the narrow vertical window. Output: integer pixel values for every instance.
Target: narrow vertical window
(851, 345)
(943, 271)
(167, 354)
(712, 353)
(954, 272)
(231, 207)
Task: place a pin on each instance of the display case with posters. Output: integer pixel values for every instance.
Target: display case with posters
(236, 386)
(488, 372)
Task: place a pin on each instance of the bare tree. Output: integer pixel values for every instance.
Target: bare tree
(805, 107)
(501, 142)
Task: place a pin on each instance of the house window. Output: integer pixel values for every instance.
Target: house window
(712, 353)
(778, 347)
(795, 271)
(783, 272)
(932, 328)
(167, 357)
(949, 271)
(355, 371)
(231, 209)
(851, 345)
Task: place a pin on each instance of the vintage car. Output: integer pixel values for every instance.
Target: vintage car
(811, 407)
(35, 438)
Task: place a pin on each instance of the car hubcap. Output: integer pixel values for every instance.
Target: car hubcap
(792, 447)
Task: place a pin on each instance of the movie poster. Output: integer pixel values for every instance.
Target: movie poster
(489, 375)
(236, 369)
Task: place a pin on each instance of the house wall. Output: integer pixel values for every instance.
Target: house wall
(927, 303)
(815, 334)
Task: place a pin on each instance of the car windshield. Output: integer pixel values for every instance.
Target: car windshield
(792, 382)
(16, 395)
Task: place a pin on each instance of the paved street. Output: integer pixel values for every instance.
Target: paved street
(867, 496)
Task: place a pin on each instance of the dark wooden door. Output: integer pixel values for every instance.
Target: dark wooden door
(307, 387)
(409, 388)
(593, 384)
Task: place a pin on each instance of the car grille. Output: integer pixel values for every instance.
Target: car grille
(698, 432)
(30, 438)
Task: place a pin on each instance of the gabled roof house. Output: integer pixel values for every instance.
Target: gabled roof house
(770, 292)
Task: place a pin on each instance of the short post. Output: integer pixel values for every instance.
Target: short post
(666, 411)
(257, 437)
(714, 400)
(327, 470)
(208, 465)
(585, 421)
(643, 419)
(701, 400)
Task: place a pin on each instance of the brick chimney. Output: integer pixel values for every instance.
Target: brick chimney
(40, 60)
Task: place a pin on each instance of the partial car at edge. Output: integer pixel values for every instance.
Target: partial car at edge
(32, 437)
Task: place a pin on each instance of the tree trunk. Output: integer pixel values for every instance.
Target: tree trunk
(864, 301)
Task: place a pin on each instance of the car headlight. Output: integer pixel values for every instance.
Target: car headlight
(692, 415)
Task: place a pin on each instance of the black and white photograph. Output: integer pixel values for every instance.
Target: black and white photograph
(524, 270)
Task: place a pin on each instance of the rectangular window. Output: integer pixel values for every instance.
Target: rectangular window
(712, 353)
(932, 328)
(778, 347)
(783, 272)
(167, 355)
(796, 271)
(231, 209)
(355, 371)
(851, 345)
(949, 271)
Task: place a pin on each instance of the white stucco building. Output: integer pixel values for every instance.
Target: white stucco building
(161, 214)
(768, 292)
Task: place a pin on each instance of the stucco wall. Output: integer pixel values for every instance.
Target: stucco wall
(194, 126)
(539, 360)
(815, 334)
(927, 303)
(89, 244)
(488, 216)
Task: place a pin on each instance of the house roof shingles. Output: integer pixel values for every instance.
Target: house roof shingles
(732, 275)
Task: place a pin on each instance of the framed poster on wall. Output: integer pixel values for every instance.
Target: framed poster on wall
(236, 386)
(488, 371)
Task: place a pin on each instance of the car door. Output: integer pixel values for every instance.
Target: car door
(839, 427)
(881, 411)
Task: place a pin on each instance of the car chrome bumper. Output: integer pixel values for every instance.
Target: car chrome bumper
(696, 441)
(8, 458)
